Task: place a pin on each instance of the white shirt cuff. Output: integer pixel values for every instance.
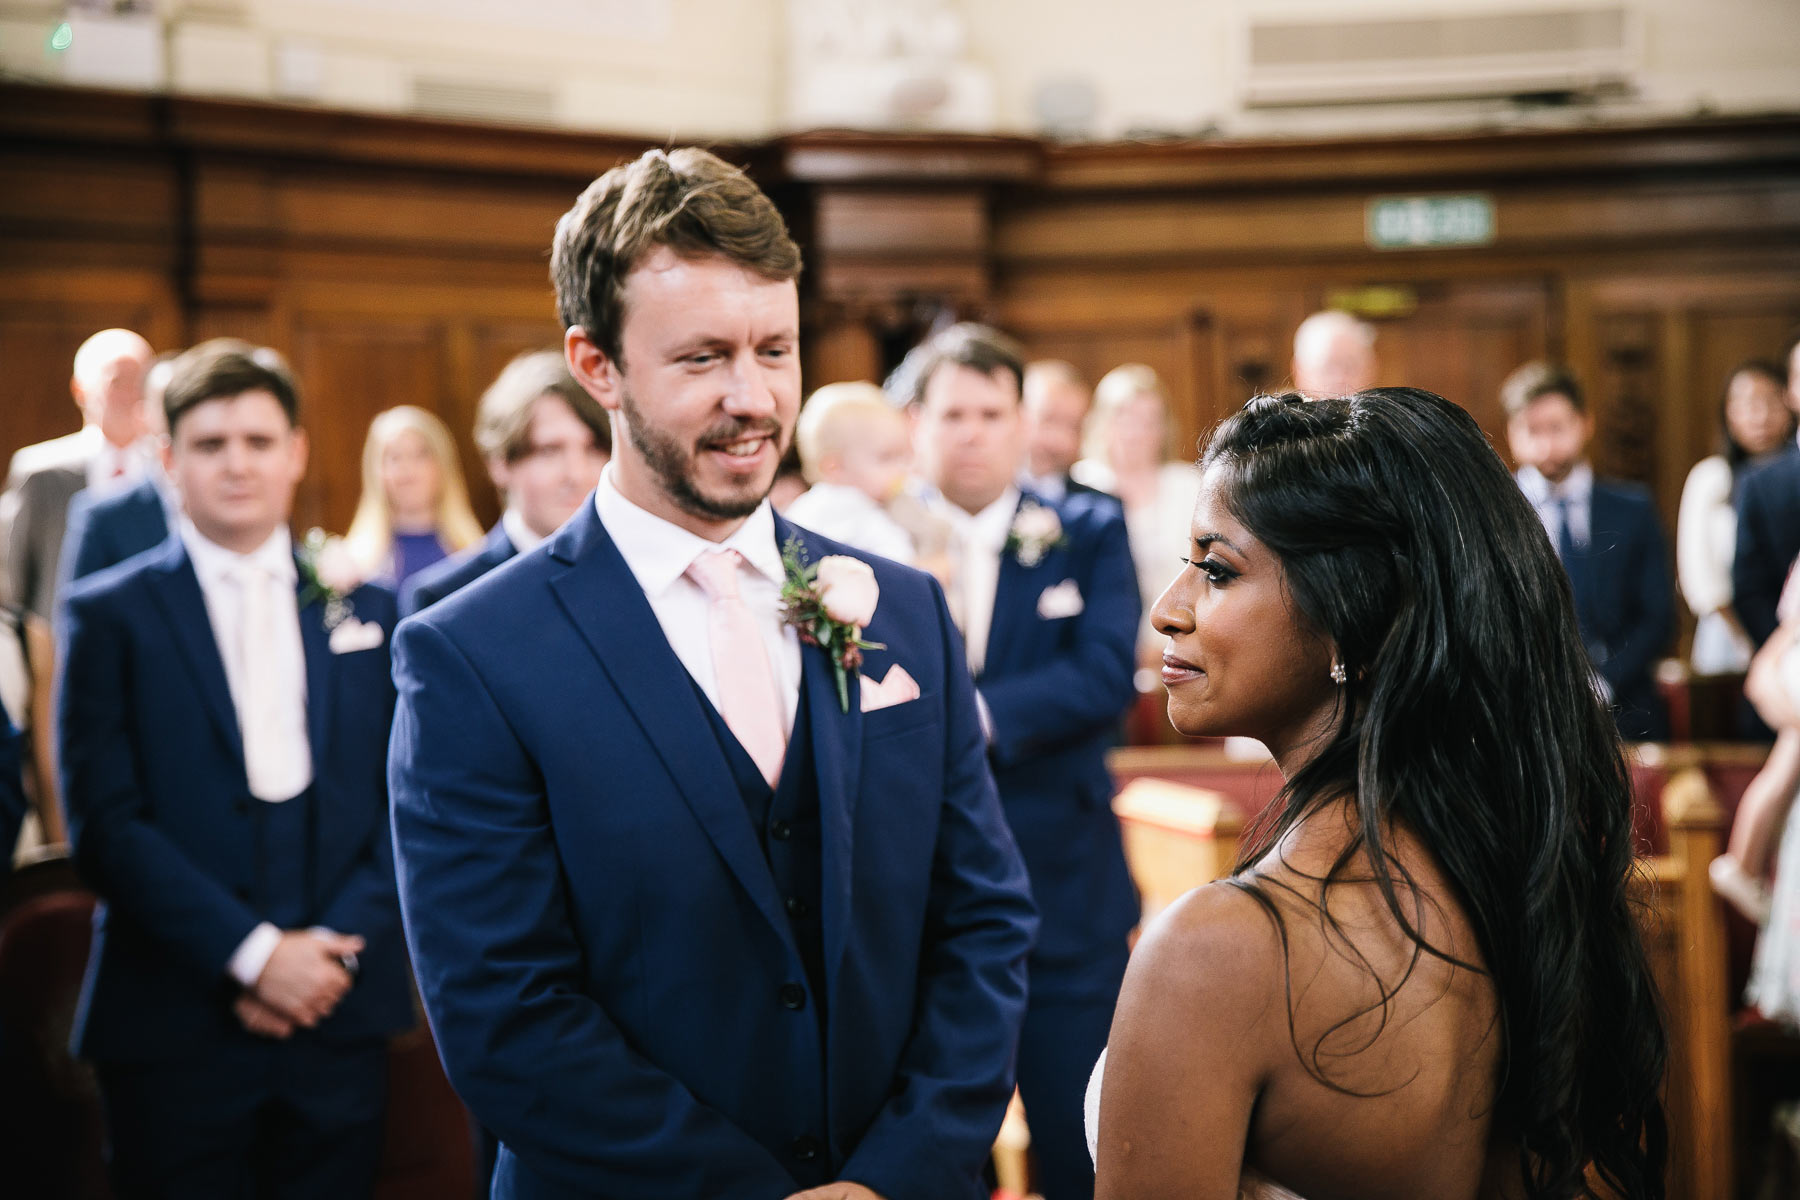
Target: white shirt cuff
(252, 955)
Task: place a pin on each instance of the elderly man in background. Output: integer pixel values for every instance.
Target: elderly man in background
(106, 526)
(107, 455)
(1334, 355)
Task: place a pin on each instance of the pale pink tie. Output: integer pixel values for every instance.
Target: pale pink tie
(747, 697)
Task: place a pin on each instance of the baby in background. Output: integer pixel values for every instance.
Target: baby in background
(856, 451)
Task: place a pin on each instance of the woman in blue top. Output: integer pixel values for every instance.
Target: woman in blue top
(414, 509)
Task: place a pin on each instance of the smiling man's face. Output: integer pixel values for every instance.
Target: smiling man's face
(708, 388)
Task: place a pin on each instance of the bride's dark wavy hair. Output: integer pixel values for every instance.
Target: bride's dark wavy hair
(1469, 719)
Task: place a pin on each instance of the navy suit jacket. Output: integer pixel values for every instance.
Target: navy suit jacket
(12, 791)
(1768, 541)
(161, 816)
(1625, 603)
(1056, 687)
(438, 580)
(612, 979)
(104, 532)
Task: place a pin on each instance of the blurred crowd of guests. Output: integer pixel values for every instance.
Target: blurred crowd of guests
(966, 455)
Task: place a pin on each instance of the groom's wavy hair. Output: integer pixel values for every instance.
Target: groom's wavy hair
(1468, 717)
(689, 200)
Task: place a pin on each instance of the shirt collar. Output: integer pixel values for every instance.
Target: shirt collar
(1577, 486)
(659, 552)
(1052, 487)
(989, 527)
(213, 562)
(518, 532)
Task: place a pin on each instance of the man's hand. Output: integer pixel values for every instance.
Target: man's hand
(303, 980)
(841, 1190)
(260, 1019)
(1764, 684)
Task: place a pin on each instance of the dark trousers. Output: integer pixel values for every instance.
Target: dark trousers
(1066, 1027)
(294, 1120)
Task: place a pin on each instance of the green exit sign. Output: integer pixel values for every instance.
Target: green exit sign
(1407, 222)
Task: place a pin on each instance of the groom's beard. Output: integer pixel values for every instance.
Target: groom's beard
(674, 465)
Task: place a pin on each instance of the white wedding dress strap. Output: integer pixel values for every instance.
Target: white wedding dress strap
(1250, 1187)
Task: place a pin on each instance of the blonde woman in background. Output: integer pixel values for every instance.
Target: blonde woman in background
(1126, 452)
(414, 509)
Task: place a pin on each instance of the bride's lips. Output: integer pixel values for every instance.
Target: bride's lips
(1178, 670)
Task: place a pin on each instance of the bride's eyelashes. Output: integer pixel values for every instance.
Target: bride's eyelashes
(1216, 572)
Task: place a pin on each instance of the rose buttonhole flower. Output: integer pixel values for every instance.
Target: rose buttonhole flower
(847, 589)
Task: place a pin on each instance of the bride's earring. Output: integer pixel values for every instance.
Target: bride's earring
(1339, 676)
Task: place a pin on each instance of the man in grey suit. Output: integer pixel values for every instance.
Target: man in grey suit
(107, 455)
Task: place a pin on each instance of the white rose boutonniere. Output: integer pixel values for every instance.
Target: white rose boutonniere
(828, 604)
(330, 573)
(1036, 531)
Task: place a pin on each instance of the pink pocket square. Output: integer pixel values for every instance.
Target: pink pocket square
(897, 688)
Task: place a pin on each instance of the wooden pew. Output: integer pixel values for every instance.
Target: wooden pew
(1180, 815)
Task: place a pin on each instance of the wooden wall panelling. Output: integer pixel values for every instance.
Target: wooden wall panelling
(1656, 348)
(480, 349)
(85, 244)
(350, 370)
(44, 320)
(1463, 338)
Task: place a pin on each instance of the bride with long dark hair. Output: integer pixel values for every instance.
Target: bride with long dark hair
(1423, 978)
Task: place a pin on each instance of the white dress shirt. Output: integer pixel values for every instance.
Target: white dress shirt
(277, 748)
(849, 515)
(1053, 487)
(659, 553)
(1576, 492)
(978, 541)
(1705, 544)
(518, 532)
(113, 469)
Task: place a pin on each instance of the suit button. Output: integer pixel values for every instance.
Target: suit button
(780, 830)
(796, 907)
(243, 893)
(792, 996)
(242, 806)
(805, 1148)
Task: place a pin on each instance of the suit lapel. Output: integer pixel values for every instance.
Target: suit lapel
(612, 614)
(497, 548)
(1012, 594)
(316, 642)
(177, 592)
(837, 764)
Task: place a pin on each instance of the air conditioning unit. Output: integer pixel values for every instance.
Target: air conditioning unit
(1398, 59)
(468, 100)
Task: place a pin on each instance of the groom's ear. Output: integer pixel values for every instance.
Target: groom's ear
(592, 367)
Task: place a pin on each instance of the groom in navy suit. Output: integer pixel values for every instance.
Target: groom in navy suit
(223, 730)
(1048, 602)
(687, 919)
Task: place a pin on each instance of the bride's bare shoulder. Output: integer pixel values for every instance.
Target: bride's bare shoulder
(1215, 954)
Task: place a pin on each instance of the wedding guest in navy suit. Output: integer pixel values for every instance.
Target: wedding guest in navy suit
(1609, 540)
(108, 528)
(223, 718)
(545, 441)
(693, 913)
(1048, 602)
(1768, 532)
